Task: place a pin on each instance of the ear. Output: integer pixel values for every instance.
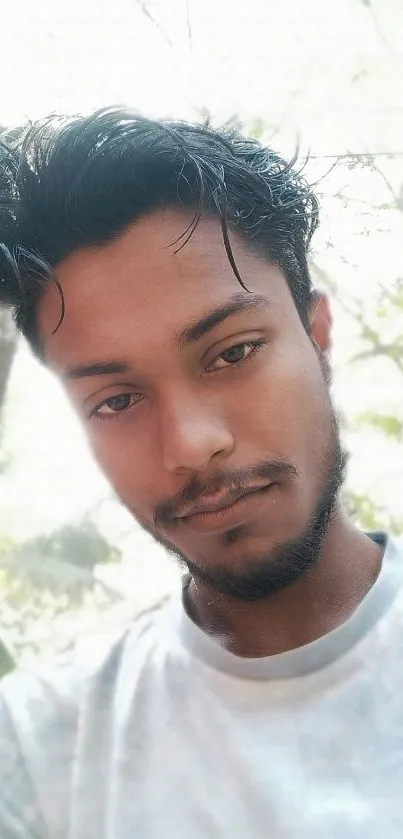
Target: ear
(320, 320)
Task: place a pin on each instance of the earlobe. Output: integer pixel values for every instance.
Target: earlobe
(320, 319)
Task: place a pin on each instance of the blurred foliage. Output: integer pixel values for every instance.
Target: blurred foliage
(46, 601)
(81, 545)
(379, 330)
(368, 515)
(38, 620)
(5, 457)
(48, 591)
(8, 345)
(390, 425)
(6, 660)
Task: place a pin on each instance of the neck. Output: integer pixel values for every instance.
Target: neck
(302, 612)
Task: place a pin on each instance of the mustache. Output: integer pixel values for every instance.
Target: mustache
(229, 482)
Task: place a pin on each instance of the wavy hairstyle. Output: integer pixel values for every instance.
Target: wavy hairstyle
(71, 182)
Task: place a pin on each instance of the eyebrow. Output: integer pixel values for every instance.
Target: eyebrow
(98, 368)
(244, 302)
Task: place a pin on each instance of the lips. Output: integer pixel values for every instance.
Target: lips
(220, 501)
(240, 508)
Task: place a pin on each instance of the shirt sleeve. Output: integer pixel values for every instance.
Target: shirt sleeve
(19, 815)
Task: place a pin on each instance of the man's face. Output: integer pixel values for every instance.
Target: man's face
(216, 431)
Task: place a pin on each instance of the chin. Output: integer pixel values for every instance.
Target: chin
(250, 568)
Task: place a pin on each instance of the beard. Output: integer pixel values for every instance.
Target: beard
(284, 563)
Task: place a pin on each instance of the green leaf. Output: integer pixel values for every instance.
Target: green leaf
(368, 515)
(6, 661)
(389, 424)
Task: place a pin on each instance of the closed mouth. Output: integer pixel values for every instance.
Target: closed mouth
(217, 503)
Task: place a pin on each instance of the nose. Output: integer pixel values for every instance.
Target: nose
(192, 432)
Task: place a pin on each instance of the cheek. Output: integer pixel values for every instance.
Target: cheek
(287, 406)
(124, 462)
(307, 419)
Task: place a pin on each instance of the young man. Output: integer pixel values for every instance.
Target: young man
(160, 269)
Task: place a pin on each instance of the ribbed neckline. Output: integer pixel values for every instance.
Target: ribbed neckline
(310, 657)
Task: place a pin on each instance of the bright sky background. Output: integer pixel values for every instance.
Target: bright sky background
(328, 72)
(332, 71)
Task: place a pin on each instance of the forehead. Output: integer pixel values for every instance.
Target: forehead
(142, 287)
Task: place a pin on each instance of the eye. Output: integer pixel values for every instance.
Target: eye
(236, 354)
(115, 405)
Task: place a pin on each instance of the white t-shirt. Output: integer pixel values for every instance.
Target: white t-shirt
(165, 735)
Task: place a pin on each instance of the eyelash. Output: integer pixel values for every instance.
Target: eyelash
(253, 345)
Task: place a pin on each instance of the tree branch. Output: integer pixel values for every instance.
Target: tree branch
(189, 24)
(358, 155)
(144, 8)
(369, 335)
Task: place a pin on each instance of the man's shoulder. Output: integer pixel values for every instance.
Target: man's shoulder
(48, 714)
(45, 692)
(398, 542)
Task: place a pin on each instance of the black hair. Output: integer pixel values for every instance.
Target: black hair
(72, 182)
